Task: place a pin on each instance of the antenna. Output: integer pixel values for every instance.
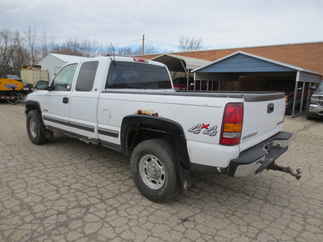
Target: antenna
(112, 54)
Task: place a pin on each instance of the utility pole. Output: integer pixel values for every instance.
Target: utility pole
(143, 45)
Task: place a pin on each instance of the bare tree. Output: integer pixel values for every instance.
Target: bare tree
(7, 52)
(79, 48)
(19, 54)
(4, 47)
(14, 52)
(69, 47)
(125, 51)
(27, 48)
(188, 44)
(44, 45)
(129, 51)
(31, 42)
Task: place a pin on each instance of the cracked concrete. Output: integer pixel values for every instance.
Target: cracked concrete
(71, 191)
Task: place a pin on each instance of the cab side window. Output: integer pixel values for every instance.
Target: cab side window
(64, 78)
(86, 76)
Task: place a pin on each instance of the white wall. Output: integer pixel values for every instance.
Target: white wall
(32, 76)
(51, 64)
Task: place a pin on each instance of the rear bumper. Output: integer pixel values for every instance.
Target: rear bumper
(260, 157)
(316, 109)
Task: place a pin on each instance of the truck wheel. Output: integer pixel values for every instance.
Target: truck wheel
(35, 128)
(309, 116)
(154, 171)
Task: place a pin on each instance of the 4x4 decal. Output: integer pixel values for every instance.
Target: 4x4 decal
(205, 128)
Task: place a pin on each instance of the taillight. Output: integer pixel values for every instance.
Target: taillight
(232, 124)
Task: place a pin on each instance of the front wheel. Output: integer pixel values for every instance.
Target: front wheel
(154, 170)
(35, 128)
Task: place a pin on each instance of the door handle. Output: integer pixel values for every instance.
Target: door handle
(65, 99)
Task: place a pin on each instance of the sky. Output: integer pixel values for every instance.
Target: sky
(219, 23)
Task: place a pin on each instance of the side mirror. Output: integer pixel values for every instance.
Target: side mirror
(42, 85)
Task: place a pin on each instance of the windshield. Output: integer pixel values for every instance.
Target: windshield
(138, 75)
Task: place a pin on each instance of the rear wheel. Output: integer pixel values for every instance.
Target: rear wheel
(35, 128)
(154, 170)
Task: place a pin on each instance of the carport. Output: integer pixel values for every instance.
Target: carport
(242, 71)
(181, 65)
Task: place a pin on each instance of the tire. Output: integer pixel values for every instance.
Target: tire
(35, 128)
(160, 153)
(309, 116)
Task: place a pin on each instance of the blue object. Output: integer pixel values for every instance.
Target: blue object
(244, 63)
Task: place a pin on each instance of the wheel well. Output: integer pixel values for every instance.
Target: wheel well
(137, 136)
(137, 128)
(32, 105)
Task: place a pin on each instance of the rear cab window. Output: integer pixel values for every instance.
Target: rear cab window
(137, 75)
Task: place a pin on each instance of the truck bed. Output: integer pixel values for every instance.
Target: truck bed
(247, 96)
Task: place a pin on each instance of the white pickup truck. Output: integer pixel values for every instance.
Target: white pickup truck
(129, 105)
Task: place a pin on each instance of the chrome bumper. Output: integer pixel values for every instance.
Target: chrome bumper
(316, 109)
(248, 169)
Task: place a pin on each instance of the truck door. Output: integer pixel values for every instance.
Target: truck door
(83, 101)
(56, 112)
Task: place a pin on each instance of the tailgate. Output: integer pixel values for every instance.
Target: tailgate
(263, 117)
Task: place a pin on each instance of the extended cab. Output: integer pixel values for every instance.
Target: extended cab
(129, 105)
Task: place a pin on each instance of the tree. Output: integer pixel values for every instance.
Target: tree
(31, 42)
(9, 47)
(44, 45)
(188, 44)
(20, 55)
(29, 47)
(69, 47)
(4, 50)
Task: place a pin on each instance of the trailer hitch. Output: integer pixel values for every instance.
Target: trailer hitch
(286, 169)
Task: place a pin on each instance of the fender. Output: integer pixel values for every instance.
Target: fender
(134, 124)
(32, 105)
